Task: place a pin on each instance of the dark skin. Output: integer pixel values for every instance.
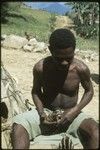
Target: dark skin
(60, 75)
(56, 85)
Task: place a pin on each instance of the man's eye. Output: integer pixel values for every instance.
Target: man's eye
(58, 59)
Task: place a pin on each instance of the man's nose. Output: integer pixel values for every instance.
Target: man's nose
(64, 62)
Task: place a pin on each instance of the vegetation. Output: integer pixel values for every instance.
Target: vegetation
(86, 18)
(52, 22)
(18, 19)
(87, 44)
(23, 19)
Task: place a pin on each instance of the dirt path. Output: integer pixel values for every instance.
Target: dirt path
(20, 65)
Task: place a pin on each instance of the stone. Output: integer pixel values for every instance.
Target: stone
(28, 48)
(40, 47)
(32, 42)
(94, 57)
(13, 41)
(3, 37)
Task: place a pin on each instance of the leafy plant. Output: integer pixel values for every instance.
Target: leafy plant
(86, 18)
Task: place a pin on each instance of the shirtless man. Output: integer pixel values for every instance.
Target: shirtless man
(56, 87)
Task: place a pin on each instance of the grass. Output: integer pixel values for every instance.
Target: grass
(31, 21)
(87, 44)
(36, 22)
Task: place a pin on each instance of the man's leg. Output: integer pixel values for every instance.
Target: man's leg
(19, 137)
(89, 134)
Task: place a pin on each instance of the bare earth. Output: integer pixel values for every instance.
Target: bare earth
(20, 64)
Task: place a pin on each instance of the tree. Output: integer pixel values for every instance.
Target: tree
(4, 11)
(85, 18)
(7, 8)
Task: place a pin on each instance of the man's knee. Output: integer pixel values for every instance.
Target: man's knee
(89, 131)
(94, 135)
(18, 129)
(94, 131)
(90, 126)
(19, 136)
(93, 128)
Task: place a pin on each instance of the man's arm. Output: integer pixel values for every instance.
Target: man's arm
(36, 90)
(36, 95)
(88, 88)
(84, 74)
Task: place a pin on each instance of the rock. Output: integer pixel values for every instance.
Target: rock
(32, 42)
(76, 50)
(94, 57)
(28, 48)
(34, 45)
(3, 37)
(15, 42)
(40, 47)
(89, 56)
(86, 59)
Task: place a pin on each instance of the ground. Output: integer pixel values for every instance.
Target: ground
(20, 64)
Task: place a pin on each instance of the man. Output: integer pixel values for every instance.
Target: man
(55, 89)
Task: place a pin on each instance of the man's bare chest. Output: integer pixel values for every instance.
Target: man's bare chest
(61, 81)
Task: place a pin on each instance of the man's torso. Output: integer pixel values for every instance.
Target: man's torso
(59, 87)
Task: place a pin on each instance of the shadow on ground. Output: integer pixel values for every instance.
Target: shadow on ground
(95, 78)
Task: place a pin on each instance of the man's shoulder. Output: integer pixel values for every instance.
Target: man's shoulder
(80, 65)
(39, 65)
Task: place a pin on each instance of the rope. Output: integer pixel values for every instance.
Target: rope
(12, 93)
(14, 101)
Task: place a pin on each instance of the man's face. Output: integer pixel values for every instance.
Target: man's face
(63, 58)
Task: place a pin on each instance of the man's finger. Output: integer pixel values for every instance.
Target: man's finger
(61, 123)
(50, 123)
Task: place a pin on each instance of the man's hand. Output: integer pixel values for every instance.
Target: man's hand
(67, 117)
(47, 125)
(43, 116)
(44, 119)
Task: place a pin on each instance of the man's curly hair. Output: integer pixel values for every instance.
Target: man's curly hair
(62, 38)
